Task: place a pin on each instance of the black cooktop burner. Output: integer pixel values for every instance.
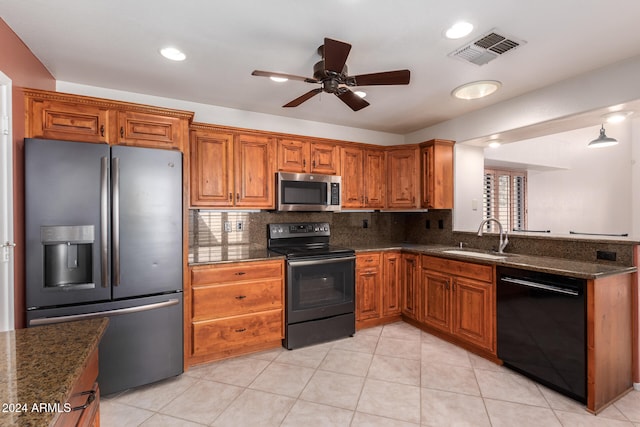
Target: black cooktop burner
(307, 239)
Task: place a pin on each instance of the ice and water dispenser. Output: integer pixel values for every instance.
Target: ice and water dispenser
(67, 254)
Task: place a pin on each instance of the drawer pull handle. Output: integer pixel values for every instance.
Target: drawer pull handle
(240, 273)
(241, 330)
(90, 399)
(241, 297)
(101, 130)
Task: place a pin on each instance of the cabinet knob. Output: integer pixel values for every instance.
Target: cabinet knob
(121, 131)
(230, 197)
(240, 273)
(241, 297)
(237, 197)
(241, 330)
(304, 163)
(101, 130)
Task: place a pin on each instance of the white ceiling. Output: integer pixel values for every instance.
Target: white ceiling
(114, 44)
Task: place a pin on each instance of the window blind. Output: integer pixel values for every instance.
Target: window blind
(505, 198)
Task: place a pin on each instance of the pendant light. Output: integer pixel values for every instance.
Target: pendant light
(602, 140)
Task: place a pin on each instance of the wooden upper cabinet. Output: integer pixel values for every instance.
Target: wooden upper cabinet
(51, 119)
(325, 158)
(375, 179)
(254, 171)
(303, 156)
(211, 155)
(437, 174)
(293, 155)
(63, 116)
(352, 177)
(403, 169)
(150, 130)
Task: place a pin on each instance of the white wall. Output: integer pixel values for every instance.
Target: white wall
(238, 118)
(468, 175)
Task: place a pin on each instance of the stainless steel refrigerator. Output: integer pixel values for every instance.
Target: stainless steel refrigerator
(104, 238)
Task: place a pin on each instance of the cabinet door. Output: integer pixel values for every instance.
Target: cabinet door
(473, 313)
(375, 178)
(352, 174)
(368, 286)
(410, 279)
(436, 299)
(437, 174)
(427, 177)
(391, 289)
(325, 158)
(402, 178)
(293, 155)
(150, 130)
(68, 121)
(254, 171)
(211, 158)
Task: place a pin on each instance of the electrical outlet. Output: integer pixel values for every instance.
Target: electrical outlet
(227, 227)
(365, 223)
(606, 255)
(428, 224)
(239, 225)
(441, 224)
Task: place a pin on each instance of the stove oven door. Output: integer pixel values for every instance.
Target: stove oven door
(320, 287)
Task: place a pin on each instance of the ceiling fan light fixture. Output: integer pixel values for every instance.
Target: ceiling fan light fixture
(617, 116)
(476, 90)
(278, 79)
(173, 54)
(602, 140)
(458, 30)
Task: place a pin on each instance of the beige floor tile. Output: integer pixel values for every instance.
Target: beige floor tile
(399, 347)
(330, 388)
(360, 342)
(309, 414)
(391, 400)
(438, 351)
(509, 414)
(449, 378)
(155, 396)
(441, 409)
(367, 420)
(482, 363)
(510, 387)
(629, 405)
(561, 402)
(284, 379)
(571, 419)
(161, 420)
(255, 408)
(375, 331)
(202, 402)
(240, 372)
(401, 330)
(114, 414)
(346, 362)
(310, 357)
(395, 369)
(268, 354)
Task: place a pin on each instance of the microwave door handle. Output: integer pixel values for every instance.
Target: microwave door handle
(320, 261)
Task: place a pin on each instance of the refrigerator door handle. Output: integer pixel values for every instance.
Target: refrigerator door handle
(104, 220)
(108, 313)
(115, 191)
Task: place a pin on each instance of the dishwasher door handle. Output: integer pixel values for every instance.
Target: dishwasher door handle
(543, 286)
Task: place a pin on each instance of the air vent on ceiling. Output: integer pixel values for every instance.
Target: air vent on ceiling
(486, 48)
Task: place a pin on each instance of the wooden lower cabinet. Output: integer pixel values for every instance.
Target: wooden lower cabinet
(457, 299)
(84, 402)
(378, 288)
(410, 285)
(236, 308)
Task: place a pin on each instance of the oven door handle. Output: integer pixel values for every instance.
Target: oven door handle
(541, 286)
(319, 261)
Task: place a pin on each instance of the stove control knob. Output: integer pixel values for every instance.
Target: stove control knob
(315, 229)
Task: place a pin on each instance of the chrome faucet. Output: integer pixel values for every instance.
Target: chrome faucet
(504, 239)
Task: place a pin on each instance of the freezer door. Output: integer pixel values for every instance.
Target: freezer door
(147, 221)
(66, 222)
(142, 344)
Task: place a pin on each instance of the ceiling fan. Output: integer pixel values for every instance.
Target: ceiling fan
(331, 72)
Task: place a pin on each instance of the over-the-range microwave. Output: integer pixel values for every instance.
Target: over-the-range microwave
(307, 192)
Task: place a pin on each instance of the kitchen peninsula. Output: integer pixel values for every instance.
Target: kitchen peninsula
(48, 374)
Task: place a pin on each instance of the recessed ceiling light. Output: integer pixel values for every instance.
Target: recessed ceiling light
(458, 30)
(278, 79)
(360, 93)
(475, 90)
(173, 54)
(617, 116)
(495, 143)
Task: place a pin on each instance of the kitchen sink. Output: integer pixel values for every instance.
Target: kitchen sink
(483, 255)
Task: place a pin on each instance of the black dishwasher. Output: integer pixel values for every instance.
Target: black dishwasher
(541, 328)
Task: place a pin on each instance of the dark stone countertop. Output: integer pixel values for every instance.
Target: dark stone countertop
(561, 266)
(221, 254)
(41, 365)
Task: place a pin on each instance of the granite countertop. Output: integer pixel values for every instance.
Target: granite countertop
(220, 255)
(561, 266)
(41, 365)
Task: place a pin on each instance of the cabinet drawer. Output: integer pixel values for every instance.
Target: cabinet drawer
(149, 130)
(217, 336)
(237, 272)
(215, 301)
(459, 268)
(368, 260)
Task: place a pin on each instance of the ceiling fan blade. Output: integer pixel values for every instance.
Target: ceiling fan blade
(352, 100)
(335, 54)
(299, 100)
(283, 75)
(398, 77)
